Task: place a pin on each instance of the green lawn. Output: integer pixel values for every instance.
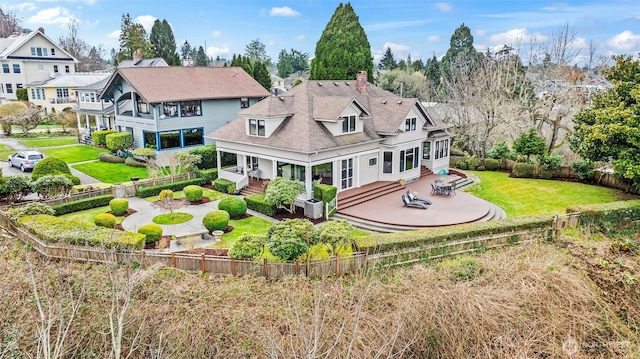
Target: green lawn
(48, 142)
(252, 225)
(172, 218)
(525, 196)
(213, 195)
(111, 172)
(87, 216)
(5, 152)
(73, 154)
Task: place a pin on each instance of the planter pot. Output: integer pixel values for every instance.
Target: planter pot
(217, 235)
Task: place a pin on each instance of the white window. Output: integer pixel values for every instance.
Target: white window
(373, 161)
(410, 124)
(40, 67)
(244, 102)
(62, 93)
(256, 127)
(348, 124)
(442, 149)
(409, 159)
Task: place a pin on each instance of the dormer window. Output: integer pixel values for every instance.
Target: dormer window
(256, 127)
(410, 124)
(348, 124)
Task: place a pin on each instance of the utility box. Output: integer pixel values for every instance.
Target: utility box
(313, 208)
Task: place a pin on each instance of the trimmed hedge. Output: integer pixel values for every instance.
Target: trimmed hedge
(257, 203)
(132, 162)
(415, 239)
(100, 137)
(523, 170)
(144, 192)
(108, 157)
(235, 206)
(119, 206)
(50, 166)
(208, 176)
(208, 155)
(119, 141)
(607, 215)
(82, 204)
(29, 209)
(152, 232)
(325, 193)
(193, 193)
(57, 230)
(222, 185)
(106, 220)
(217, 220)
(491, 164)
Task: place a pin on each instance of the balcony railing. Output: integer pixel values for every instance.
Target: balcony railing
(60, 100)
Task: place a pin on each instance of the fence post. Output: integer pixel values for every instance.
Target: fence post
(297, 267)
(173, 260)
(233, 267)
(264, 268)
(337, 265)
(202, 262)
(142, 259)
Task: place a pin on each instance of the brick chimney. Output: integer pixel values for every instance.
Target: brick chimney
(137, 57)
(41, 29)
(361, 81)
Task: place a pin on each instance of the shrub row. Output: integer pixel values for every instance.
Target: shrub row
(415, 239)
(100, 137)
(57, 230)
(222, 185)
(208, 176)
(607, 215)
(119, 141)
(144, 192)
(257, 203)
(325, 193)
(208, 156)
(524, 170)
(108, 157)
(82, 204)
(29, 209)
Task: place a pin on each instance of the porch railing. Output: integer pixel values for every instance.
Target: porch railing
(240, 179)
(329, 207)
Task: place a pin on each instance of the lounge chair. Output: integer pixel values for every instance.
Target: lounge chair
(419, 199)
(408, 203)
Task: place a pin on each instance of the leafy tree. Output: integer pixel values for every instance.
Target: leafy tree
(284, 65)
(133, 37)
(248, 246)
(402, 65)
(387, 62)
(405, 84)
(291, 238)
(336, 235)
(417, 65)
(282, 193)
(164, 43)
(609, 128)
(22, 94)
(256, 52)
(343, 49)
(530, 144)
(201, 58)
(500, 151)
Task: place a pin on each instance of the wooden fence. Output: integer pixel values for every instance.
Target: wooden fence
(73, 197)
(130, 189)
(317, 268)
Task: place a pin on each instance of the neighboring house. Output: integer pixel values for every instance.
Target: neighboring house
(138, 61)
(169, 108)
(28, 58)
(60, 93)
(277, 85)
(91, 106)
(343, 133)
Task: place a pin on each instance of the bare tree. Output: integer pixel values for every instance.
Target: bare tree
(75, 46)
(28, 118)
(593, 56)
(9, 23)
(562, 45)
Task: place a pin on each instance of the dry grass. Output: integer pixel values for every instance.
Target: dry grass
(517, 302)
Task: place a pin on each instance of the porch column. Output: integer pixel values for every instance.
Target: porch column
(218, 162)
(357, 171)
(78, 118)
(274, 169)
(86, 119)
(308, 181)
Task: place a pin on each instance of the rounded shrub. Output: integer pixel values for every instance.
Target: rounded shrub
(108, 157)
(193, 193)
(152, 231)
(50, 166)
(491, 164)
(217, 220)
(235, 206)
(165, 193)
(119, 206)
(480, 168)
(132, 162)
(106, 220)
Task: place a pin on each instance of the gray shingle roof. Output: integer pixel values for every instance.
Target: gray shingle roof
(382, 113)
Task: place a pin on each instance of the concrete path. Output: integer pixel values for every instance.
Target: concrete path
(10, 171)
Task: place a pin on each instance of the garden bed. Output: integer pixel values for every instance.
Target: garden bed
(207, 251)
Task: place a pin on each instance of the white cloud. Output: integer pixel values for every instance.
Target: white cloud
(443, 6)
(54, 15)
(395, 47)
(216, 33)
(515, 36)
(114, 34)
(222, 51)
(89, 2)
(146, 21)
(625, 41)
(301, 37)
(283, 11)
(434, 38)
(25, 6)
(481, 32)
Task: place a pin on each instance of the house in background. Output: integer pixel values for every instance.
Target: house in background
(28, 58)
(60, 93)
(138, 61)
(343, 133)
(170, 108)
(91, 106)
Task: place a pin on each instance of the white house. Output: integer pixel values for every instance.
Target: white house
(342, 133)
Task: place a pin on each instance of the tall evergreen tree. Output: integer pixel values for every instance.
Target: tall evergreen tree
(133, 37)
(387, 62)
(186, 50)
(285, 65)
(343, 49)
(201, 58)
(256, 51)
(300, 61)
(261, 74)
(164, 43)
(461, 53)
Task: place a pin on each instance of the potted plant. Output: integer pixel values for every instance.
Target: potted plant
(402, 182)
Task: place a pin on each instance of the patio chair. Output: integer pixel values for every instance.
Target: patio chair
(255, 174)
(408, 203)
(453, 187)
(239, 169)
(419, 199)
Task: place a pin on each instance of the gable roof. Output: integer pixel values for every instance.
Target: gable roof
(10, 44)
(176, 83)
(74, 80)
(382, 114)
(153, 62)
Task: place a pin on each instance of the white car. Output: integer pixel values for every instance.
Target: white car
(25, 160)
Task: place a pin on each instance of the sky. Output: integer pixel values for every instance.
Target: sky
(418, 28)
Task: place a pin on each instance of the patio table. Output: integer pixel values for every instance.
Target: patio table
(444, 187)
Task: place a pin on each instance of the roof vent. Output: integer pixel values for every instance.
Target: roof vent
(384, 102)
(346, 83)
(319, 83)
(399, 102)
(335, 83)
(281, 98)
